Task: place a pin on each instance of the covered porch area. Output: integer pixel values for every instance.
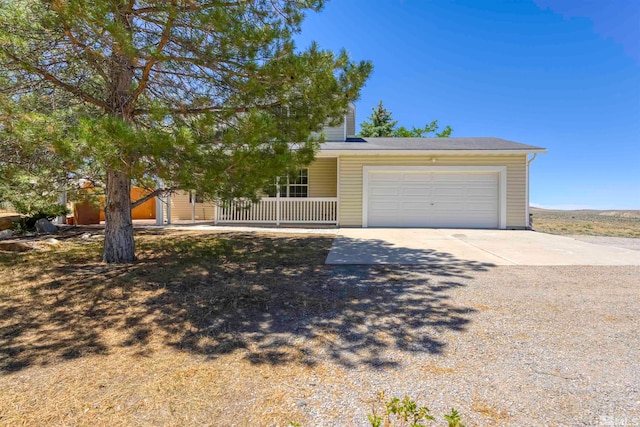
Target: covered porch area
(308, 197)
(279, 210)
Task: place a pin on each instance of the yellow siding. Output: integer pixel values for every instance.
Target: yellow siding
(350, 213)
(181, 208)
(323, 175)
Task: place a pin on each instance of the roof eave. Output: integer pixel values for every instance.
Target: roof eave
(336, 153)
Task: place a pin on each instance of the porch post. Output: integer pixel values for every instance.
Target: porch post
(193, 206)
(159, 205)
(338, 193)
(159, 211)
(277, 201)
(168, 208)
(62, 201)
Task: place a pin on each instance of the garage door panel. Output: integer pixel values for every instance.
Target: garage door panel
(420, 176)
(381, 191)
(432, 199)
(419, 185)
(424, 206)
(416, 183)
(385, 180)
(480, 193)
(480, 212)
(415, 192)
(482, 177)
(383, 207)
(449, 192)
(384, 213)
(454, 206)
(448, 177)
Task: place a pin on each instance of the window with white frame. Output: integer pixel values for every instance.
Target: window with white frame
(295, 185)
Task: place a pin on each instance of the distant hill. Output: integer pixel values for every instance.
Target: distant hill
(611, 213)
(591, 222)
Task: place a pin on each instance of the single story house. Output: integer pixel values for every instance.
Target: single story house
(390, 182)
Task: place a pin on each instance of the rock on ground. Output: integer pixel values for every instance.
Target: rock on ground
(43, 225)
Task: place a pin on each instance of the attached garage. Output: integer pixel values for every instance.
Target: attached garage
(432, 182)
(434, 196)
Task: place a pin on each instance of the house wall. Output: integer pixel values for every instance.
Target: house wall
(146, 210)
(351, 121)
(323, 178)
(336, 133)
(181, 208)
(350, 211)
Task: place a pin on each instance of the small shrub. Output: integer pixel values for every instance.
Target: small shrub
(28, 223)
(453, 419)
(407, 413)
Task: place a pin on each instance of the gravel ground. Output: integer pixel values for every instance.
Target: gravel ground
(514, 345)
(620, 242)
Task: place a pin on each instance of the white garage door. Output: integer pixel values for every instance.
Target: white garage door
(399, 198)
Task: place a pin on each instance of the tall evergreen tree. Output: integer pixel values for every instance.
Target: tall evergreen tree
(414, 132)
(381, 124)
(199, 94)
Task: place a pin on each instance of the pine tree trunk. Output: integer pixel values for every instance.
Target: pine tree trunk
(119, 245)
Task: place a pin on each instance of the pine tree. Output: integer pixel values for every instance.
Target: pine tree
(380, 123)
(199, 94)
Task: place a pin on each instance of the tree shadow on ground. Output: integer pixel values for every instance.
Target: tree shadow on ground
(269, 297)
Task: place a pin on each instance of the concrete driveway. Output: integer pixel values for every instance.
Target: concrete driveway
(486, 247)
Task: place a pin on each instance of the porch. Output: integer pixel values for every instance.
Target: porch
(309, 198)
(279, 210)
(267, 211)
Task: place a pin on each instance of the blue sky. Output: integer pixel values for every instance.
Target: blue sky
(561, 74)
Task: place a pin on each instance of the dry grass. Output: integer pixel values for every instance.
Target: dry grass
(157, 342)
(204, 329)
(433, 368)
(587, 222)
(490, 412)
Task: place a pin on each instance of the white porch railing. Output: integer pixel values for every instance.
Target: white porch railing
(280, 210)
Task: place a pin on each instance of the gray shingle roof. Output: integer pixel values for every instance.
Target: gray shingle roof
(392, 144)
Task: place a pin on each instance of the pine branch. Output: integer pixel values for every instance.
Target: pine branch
(151, 195)
(56, 81)
(150, 63)
(190, 8)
